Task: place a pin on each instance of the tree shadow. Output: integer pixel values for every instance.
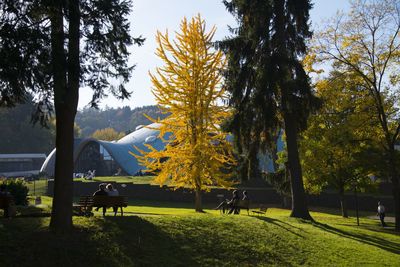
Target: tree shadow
(142, 213)
(389, 229)
(109, 241)
(366, 239)
(281, 224)
(147, 245)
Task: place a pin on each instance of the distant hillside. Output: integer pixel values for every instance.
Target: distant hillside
(122, 119)
(19, 135)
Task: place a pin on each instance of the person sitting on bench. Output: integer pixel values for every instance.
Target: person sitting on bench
(229, 204)
(232, 204)
(111, 191)
(101, 192)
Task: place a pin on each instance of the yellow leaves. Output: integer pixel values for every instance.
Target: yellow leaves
(197, 153)
(308, 63)
(107, 134)
(321, 85)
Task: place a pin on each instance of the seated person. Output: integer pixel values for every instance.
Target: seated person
(90, 175)
(233, 203)
(111, 191)
(223, 206)
(101, 192)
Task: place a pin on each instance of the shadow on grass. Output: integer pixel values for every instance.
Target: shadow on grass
(366, 239)
(32, 211)
(286, 226)
(112, 241)
(164, 204)
(143, 213)
(145, 244)
(389, 229)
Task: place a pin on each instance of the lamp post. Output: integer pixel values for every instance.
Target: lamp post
(356, 199)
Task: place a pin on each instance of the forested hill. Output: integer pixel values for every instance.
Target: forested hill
(122, 119)
(19, 135)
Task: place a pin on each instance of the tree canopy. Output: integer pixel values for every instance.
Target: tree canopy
(269, 89)
(365, 42)
(340, 137)
(19, 135)
(197, 154)
(50, 49)
(108, 134)
(123, 119)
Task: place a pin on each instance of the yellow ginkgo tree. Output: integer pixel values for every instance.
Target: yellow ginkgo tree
(188, 86)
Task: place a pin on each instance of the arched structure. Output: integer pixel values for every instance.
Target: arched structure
(108, 158)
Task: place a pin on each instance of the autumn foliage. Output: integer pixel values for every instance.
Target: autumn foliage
(189, 87)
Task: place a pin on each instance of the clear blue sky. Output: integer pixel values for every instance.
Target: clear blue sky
(148, 16)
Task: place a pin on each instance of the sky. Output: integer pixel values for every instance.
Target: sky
(148, 16)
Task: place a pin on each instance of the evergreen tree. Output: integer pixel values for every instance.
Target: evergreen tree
(50, 48)
(268, 85)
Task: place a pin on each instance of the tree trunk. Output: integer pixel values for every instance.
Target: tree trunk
(198, 205)
(285, 77)
(299, 202)
(343, 203)
(65, 101)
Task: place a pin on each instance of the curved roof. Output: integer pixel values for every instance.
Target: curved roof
(119, 150)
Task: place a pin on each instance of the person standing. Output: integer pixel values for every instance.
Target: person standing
(381, 213)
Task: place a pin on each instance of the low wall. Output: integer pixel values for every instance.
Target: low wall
(154, 192)
(257, 195)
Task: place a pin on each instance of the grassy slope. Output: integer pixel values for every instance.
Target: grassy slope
(171, 236)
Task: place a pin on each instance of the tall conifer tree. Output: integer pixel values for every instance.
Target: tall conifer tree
(268, 85)
(42, 53)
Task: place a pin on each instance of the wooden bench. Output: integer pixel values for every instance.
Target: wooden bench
(86, 203)
(261, 211)
(111, 201)
(5, 203)
(84, 206)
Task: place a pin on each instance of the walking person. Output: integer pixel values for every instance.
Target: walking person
(381, 213)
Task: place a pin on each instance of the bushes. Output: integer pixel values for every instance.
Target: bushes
(18, 190)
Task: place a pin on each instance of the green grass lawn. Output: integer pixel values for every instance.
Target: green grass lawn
(37, 187)
(166, 234)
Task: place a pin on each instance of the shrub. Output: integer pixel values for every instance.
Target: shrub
(18, 190)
